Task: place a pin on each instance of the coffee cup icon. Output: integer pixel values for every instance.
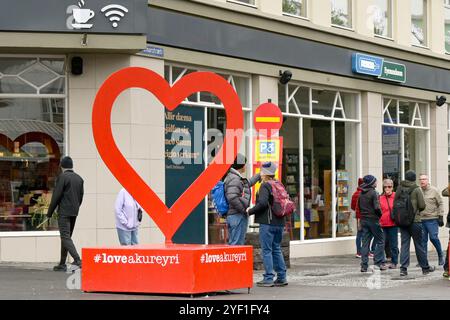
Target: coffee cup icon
(83, 15)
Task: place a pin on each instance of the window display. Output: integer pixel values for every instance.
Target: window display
(31, 140)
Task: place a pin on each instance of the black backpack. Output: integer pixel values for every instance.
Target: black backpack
(403, 211)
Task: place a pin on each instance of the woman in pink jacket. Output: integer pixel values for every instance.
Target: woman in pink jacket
(390, 230)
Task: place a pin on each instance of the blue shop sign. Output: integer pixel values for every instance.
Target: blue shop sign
(366, 64)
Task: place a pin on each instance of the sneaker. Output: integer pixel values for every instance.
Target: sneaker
(441, 261)
(280, 283)
(392, 266)
(358, 256)
(429, 270)
(382, 267)
(403, 273)
(265, 284)
(363, 269)
(445, 274)
(60, 267)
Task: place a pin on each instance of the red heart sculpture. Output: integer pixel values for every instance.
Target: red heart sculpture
(168, 220)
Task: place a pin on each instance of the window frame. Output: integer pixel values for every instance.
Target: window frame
(239, 2)
(350, 4)
(390, 7)
(426, 24)
(305, 17)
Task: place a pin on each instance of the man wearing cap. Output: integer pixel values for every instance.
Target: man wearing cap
(238, 194)
(415, 230)
(370, 211)
(67, 196)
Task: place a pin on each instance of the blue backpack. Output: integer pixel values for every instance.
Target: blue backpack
(219, 198)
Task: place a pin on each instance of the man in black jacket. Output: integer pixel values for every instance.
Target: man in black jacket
(370, 210)
(67, 196)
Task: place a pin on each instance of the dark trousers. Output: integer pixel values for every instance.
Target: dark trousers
(391, 236)
(446, 259)
(416, 232)
(372, 228)
(66, 226)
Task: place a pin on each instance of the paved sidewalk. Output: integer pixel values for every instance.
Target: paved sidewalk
(320, 278)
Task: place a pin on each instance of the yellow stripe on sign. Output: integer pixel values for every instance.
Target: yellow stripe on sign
(267, 119)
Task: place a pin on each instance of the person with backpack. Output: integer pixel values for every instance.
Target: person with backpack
(408, 202)
(355, 207)
(432, 216)
(272, 205)
(390, 230)
(238, 195)
(369, 206)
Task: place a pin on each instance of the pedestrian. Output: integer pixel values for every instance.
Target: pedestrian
(369, 207)
(409, 191)
(445, 194)
(270, 230)
(128, 217)
(432, 216)
(390, 230)
(67, 196)
(355, 207)
(238, 194)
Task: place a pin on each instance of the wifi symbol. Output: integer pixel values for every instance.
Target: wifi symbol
(115, 13)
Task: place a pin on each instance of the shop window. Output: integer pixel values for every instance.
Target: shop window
(295, 7)
(31, 146)
(382, 18)
(341, 13)
(320, 159)
(419, 21)
(405, 138)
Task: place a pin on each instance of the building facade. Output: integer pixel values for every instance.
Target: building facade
(362, 99)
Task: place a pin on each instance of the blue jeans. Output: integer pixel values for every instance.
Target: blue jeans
(431, 229)
(359, 243)
(127, 238)
(372, 228)
(391, 234)
(237, 228)
(270, 238)
(416, 232)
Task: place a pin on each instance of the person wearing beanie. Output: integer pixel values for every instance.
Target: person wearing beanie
(67, 196)
(408, 188)
(355, 207)
(238, 194)
(369, 207)
(270, 229)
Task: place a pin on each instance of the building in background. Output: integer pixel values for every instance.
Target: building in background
(362, 99)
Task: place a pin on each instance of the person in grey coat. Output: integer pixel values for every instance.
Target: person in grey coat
(238, 194)
(67, 196)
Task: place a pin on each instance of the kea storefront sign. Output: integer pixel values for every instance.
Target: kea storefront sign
(166, 268)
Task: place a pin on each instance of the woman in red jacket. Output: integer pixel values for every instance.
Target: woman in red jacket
(390, 230)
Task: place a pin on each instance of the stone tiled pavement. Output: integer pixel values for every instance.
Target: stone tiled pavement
(318, 278)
